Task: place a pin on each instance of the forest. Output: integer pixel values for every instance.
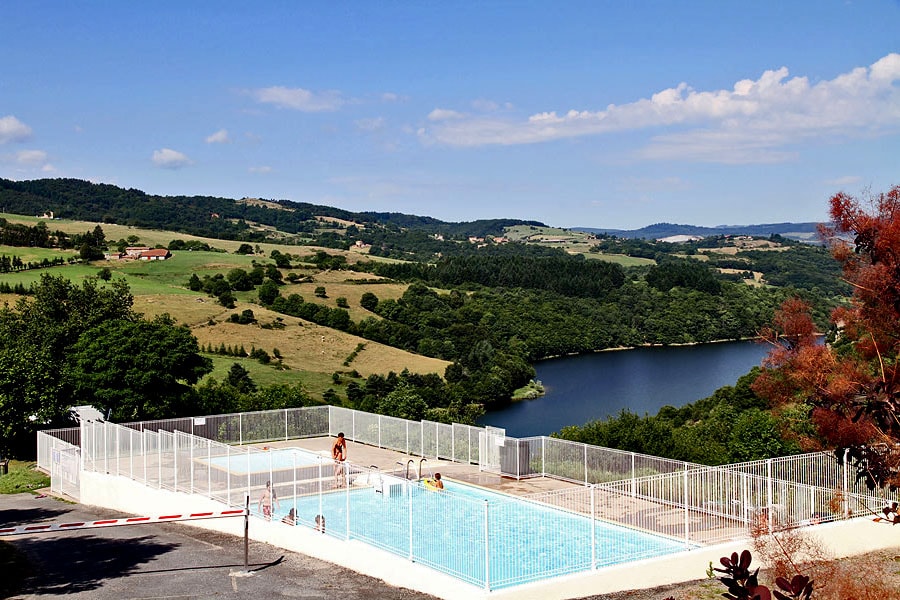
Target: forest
(209, 216)
(491, 310)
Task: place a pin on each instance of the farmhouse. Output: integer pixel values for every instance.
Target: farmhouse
(155, 254)
(135, 251)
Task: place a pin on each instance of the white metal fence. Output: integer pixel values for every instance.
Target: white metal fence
(428, 439)
(577, 462)
(486, 539)
(490, 544)
(65, 468)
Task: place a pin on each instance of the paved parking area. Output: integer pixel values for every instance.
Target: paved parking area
(166, 561)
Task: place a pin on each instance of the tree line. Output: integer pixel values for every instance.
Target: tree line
(86, 342)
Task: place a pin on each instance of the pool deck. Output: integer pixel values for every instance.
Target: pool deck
(842, 538)
(391, 461)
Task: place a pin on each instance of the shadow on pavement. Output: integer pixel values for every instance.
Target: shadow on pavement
(12, 517)
(67, 565)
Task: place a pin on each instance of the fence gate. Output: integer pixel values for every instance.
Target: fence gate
(65, 471)
(490, 441)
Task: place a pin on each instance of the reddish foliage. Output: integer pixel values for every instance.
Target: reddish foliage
(855, 390)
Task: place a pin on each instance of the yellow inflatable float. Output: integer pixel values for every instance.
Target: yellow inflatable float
(433, 483)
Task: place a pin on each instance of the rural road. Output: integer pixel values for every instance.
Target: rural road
(170, 560)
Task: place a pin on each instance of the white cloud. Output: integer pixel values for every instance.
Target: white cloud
(167, 158)
(260, 170)
(13, 130)
(845, 180)
(28, 161)
(484, 105)
(31, 158)
(299, 99)
(374, 124)
(219, 137)
(646, 185)
(443, 114)
(752, 122)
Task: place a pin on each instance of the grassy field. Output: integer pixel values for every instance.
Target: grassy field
(311, 353)
(573, 242)
(22, 477)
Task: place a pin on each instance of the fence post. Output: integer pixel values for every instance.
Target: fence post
(769, 499)
(192, 457)
(593, 530)
(241, 428)
(347, 497)
(487, 550)
(543, 456)
(118, 452)
(633, 479)
(409, 501)
(584, 447)
(228, 474)
(175, 458)
(518, 458)
(687, 516)
(321, 459)
(846, 483)
(247, 534)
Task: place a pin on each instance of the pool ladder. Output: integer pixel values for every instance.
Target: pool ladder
(408, 464)
(411, 463)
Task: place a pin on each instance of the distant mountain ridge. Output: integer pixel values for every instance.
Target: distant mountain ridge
(210, 216)
(228, 218)
(801, 231)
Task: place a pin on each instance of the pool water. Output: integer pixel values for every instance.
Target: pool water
(447, 530)
(261, 462)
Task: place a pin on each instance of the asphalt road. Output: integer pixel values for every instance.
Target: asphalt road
(171, 560)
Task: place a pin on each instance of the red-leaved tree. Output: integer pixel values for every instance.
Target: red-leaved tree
(852, 384)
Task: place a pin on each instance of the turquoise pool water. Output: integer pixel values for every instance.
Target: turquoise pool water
(485, 538)
(261, 462)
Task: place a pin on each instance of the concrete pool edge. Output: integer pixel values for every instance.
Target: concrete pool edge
(843, 538)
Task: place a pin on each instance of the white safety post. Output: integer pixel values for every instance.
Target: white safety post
(247, 534)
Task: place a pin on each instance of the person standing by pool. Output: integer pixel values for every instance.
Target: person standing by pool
(339, 454)
(267, 501)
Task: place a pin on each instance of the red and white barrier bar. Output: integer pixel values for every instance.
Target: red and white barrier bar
(48, 527)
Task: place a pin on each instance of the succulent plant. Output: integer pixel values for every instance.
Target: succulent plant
(743, 584)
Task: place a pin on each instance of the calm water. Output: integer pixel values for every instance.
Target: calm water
(594, 386)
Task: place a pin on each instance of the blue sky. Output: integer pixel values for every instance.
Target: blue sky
(598, 114)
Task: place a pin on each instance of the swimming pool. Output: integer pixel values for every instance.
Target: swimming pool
(485, 538)
(262, 462)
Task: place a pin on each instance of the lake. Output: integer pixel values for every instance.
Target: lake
(594, 386)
